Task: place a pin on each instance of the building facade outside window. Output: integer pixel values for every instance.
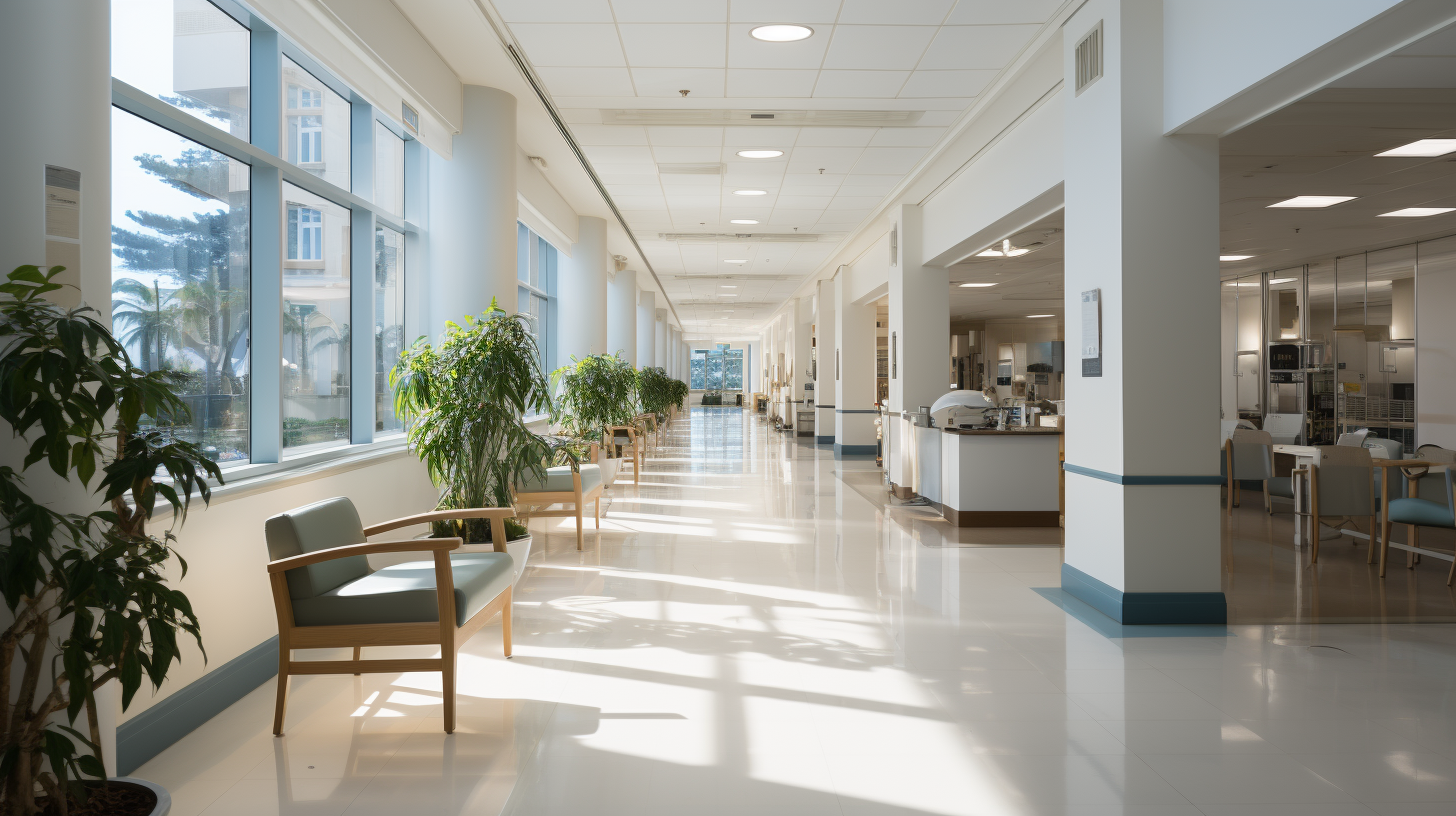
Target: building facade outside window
(389, 339)
(187, 53)
(316, 125)
(716, 369)
(315, 323)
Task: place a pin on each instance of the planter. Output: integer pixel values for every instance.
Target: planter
(519, 550)
(164, 799)
(609, 470)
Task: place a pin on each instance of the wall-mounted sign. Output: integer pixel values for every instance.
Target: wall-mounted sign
(1092, 333)
(63, 231)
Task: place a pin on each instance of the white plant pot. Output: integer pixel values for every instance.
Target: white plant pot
(164, 799)
(518, 549)
(609, 470)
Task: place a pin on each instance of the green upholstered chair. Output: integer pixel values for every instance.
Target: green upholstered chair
(326, 595)
(564, 485)
(1341, 483)
(1248, 456)
(626, 441)
(1428, 500)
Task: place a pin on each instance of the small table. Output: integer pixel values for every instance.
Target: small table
(1304, 455)
(1387, 464)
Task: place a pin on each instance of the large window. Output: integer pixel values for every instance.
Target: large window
(186, 53)
(315, 322)
(718, 368)
(180, 271)
(315, 125)
(389, 338)
(388, 170)
(536, 269)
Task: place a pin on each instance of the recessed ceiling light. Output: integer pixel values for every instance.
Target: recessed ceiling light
(781, 33)
(743, 221)
(1311, 202)
(750, 192)
(760, 154)
(1227, 258)
(1041, 315)
(735, 260)
(975, 285)
(1273, 281)
(996, 253)
(1417, 212)
(728, 294)
(1424, 147)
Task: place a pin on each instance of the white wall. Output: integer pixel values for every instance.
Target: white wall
(1436, 345)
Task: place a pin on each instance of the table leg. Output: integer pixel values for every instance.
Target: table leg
(1298, 507)
(1384, 519)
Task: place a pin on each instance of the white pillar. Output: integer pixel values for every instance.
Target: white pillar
(825, 351)
(803, 314)
(1142, 502)
(659, 339)
(581, 283)
(675, 352)
(622, 315)
(646, 329)
(473, 212)
(919, 321)
(854, 398)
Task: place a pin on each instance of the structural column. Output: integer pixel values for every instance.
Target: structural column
(646, 329)
(1142, 501)
(659, 339)
(919, 335)
(473, 212)
(622, 315)
(581, 281)
(854, 397)
(826, 357)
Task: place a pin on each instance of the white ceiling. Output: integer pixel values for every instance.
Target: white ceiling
(1025, 285)
(928, 57)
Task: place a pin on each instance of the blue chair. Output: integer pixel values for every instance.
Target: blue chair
(1340, 484)
(1248, 456)
(1428, 501)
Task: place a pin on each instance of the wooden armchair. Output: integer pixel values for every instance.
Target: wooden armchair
(563, 485)
(627, 439)
(326, 595)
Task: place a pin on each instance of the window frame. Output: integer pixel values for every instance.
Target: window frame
(265, 154)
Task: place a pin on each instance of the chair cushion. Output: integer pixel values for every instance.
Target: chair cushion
(558, 480)
(318, 526)
(1282, 486)
(1420, 512)
(405, 593)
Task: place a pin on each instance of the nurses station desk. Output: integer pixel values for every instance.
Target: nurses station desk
(992, 478)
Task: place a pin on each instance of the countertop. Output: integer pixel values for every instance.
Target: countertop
(1032, 431)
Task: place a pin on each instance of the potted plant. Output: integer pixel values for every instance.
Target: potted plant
(88, 599)
(654, 389)
(593, 395)
(464, 402)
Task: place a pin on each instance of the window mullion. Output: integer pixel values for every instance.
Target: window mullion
(266, 430)
(361, 333)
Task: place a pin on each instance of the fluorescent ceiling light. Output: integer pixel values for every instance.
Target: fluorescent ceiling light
(735, 260)
(728, 294)
(750, 192)
(1311, 202)
(729, 286)
(1273, 281)
(1006, 251)
(976, 285)
(1041, 315)
(1235, 283)
(760, 154)
(1417, 212)
(1424, 147)
(743, 221)
(781, 33)
(1227, 258)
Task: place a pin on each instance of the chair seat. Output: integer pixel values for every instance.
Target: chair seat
(1420, 512)
(558, 480)
(405, 593)
(1282, 486)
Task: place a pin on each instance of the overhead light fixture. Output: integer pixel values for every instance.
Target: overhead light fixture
(1237, 283)
(1041, 315)
(1310, 202)
(735, 260)
(1006, 251)
(1273, 281)
(750, 192)
(728, 294)
(976, 285)
(743, 221)
(1423, 147)
(1227, 258)
(1417, 212)
(760, 154)
(730, 286)
(781, 33)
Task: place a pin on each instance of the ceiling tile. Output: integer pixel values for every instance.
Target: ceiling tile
(888, 159)
(685, 136)
(746, 52)
(667, 82)
(996, 12)
(609, 135)
(911, 12)
(976, 46)
(834, 137)
(688, 45)
(639, 177)
(752, 82)
(946, 83)
(638, 202)
(741, 138)
(802, 202)
(670, 11)
(562, 81)
(554, 11)
(832, 159)
(635, 189)
(670, 155)
(569, 43)
(906, 137)
(852, 202)
(887, 47)
(861, 84)
(619, 155)
(794, 218)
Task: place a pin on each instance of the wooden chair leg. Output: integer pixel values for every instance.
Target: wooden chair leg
(578, 523)
(1314, 518)
(597, 512)
(1451, 576)
(1370, 553)
(1384, 543)
(448, 658)
(506, 622)
(357, 651)
(281, 704)
(1415, 541)
(1268, 503)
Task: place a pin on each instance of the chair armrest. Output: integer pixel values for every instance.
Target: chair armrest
(367, 548)
(441, 515)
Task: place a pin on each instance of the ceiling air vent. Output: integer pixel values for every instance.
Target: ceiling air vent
(787, 118)
(1089, 58)
(738, 238)
(709, 169)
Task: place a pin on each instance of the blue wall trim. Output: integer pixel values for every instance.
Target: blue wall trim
(1143, 608)
(854, 450)
(1141, 480)
(856, 410)
(824, 440)
(154, 730)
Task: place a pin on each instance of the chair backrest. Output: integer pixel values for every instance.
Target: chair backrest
(1384, 448)
(1345, 481)
(1436, 453)
(1353, 439)
(318, 526)
(1251, 436)
(1253, 458)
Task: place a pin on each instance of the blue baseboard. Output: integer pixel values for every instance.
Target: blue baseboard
(1144, 608)
(854, 450)
(824, 440)
(154, 730)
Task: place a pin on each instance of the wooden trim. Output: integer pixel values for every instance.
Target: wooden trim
(1002, 518)
(441, 515)
(363, 666)
(318, 556)
(364, 634)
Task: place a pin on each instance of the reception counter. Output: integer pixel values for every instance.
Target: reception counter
(991, 478)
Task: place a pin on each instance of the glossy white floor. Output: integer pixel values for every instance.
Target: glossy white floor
(749, 635)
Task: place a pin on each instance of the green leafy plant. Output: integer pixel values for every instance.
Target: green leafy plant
(465, 401)
(593, 394)
(654, 389)
(86, 592)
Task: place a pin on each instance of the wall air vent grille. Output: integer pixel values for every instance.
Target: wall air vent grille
(787, 118)
(738, 238)
(1088, 57)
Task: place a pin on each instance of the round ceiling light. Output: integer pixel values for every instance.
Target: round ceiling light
(781, 33)
(750, 192)
(743, 221)
(760, 154)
